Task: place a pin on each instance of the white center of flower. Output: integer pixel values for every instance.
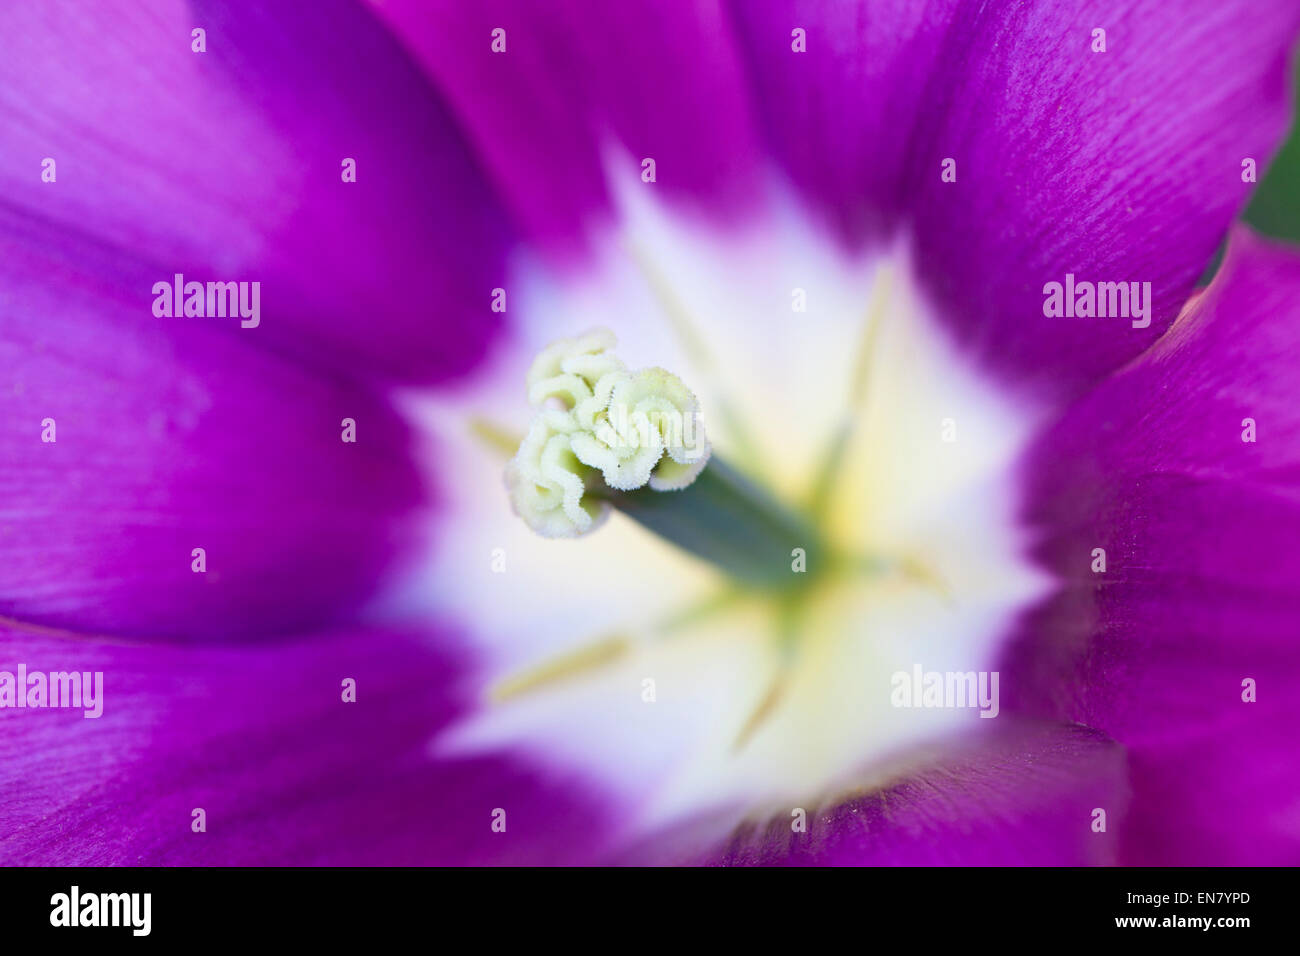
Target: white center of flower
(791, 349)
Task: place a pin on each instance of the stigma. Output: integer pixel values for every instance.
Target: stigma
(598, 428)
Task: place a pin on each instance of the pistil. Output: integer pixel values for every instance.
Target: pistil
(605, 437)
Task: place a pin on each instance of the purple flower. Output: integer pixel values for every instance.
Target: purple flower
(931, 271)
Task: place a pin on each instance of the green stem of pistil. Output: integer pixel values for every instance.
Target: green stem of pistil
(730, 521)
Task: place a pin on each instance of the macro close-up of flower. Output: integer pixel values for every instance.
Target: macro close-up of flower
(728, 432)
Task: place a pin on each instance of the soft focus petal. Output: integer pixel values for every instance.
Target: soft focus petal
(1018, 796)
(169, 436)
(580, 85)
(841, 115)
(263, 742)
(1201, 588)
(1116, 166)
(227, 165)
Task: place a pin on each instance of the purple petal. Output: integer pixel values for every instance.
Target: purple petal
(1200, 590)
(285, 770)
(1022, 795)
(841, 114)
(168, 437)
(1117, 166)
(577, 78)
(227, 165)
(1224, 796)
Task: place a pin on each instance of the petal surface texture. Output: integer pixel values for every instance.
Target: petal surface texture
(1122, 165)
(1199, 593)
(132, 442)
(286, 771)
(228, 164)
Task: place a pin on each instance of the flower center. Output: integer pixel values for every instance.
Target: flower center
(857, 519)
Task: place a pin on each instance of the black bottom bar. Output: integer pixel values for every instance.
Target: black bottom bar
(214, 906)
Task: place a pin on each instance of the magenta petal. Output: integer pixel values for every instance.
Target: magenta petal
(577, 78)
(170, 436)
(1024, 794)
(227, 165)
(1117, 166)
(1199, 592)
(1223, 796)
(262, 741)
(841, 114)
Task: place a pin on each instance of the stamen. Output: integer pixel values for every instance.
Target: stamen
(790, 620)
(495, 437)
(824, 483)
(584, 659)
(686, 327)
